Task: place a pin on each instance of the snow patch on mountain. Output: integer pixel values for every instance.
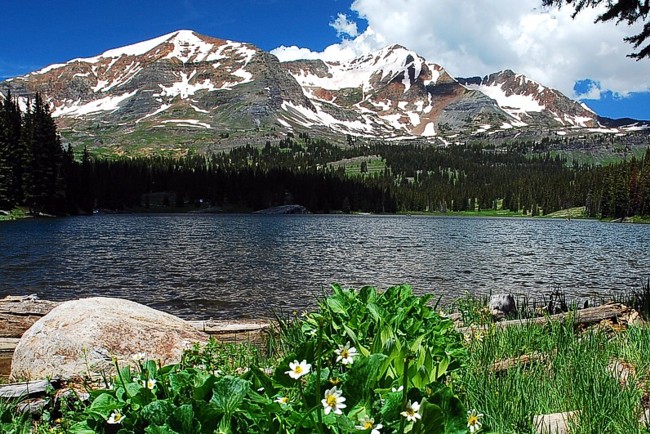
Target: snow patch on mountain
(307, 118)
(187, 123)
(76, 109)
(385, 64)
(184, 88)
(514, 104)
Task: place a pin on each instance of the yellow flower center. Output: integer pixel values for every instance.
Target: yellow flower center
(331, 401)
(367, 425)
(117, 417)
(472, 420)
(344, 353)
(284, 400)
(298, 369)
(410, 411)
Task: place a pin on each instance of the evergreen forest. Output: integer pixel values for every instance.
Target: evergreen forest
(42, 176)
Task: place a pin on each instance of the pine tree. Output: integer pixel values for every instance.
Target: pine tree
(12, 157)
(6, 169)
(44, 184)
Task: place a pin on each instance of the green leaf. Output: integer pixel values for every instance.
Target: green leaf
(336, 306)
(182, 420)
(179, 380)
(355, 340)
(104, 405)
(208, 415)
(363, 377)
(203, 384)
(442, 366)
(228, 393)
(374, 311)
(433, 419)
(157, 412)
(392, 406)
(81, 428)
(132, 389)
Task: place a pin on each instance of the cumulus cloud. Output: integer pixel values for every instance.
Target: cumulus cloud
(365, 43)
(478, 37)
(344, 26)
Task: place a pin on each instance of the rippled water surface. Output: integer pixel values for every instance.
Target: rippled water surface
(237, 266)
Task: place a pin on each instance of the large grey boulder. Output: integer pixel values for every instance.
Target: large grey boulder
(81, 337)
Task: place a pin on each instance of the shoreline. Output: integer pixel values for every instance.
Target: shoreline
(558, 215)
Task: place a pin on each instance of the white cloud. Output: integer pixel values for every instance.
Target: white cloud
(365, 43)
(478, 37)
(344, 27)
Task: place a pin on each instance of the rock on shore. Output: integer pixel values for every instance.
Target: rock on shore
(81, 337)
(284, 209)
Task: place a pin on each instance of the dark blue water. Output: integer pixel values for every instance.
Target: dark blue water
(238, 266)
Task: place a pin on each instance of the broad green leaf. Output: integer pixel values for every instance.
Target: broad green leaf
(416, 345)
(392, 406)
(80, 428)
(336, 306)
(433, 419)
(203, 384)
(157, 412)
(182, 420)
(228, 393)
(208, 415)
(363, 377)
(132, 389)
(374, 311)
(104, 405)
(178, 381)
(442, 367)
(353, 336)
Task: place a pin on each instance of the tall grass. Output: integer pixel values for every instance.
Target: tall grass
(574, 374)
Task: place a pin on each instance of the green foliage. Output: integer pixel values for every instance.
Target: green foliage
(12, 422)
(571, 373)
(361, 362)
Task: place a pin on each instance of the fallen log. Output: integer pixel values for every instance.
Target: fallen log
(18, 313)
(616, 312)
(24, 390)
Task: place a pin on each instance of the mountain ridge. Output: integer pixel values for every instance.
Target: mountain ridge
(186, 89)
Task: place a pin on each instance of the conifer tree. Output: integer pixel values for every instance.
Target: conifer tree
(6, 169)
(44, 185)
(11, 156)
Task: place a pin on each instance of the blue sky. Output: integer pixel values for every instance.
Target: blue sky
(467, 37)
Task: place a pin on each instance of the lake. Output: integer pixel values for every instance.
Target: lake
(243, 266)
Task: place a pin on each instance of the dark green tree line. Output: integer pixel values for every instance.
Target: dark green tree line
(32, 160)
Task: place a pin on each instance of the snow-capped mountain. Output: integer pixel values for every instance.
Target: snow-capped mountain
(177, 83)
(530, 102)
(185, 88)
(393, 91)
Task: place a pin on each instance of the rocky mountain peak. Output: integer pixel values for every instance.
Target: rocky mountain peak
(184, 84)
(529, 102)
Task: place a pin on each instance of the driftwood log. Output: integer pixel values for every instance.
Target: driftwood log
(25, 390)
(17, 314)
(616, 312)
